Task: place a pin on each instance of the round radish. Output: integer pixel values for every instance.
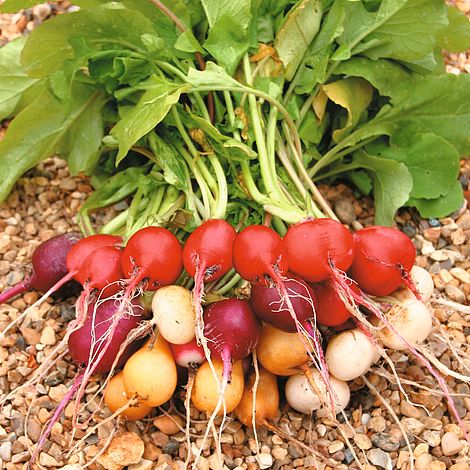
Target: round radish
(86, 343)
(270, 307)
(317, 246)
(48, 263)
(331, 309)
(383, 260)
(174, 314)
(423, 282)
(412, 321)
(350, 354)
(301, 397)
(232, 331)
(153, 255)
(187, 354)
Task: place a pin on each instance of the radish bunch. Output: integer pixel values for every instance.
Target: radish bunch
(318, 277)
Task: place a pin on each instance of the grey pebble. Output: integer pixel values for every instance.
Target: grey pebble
(380, 458)
(172, 447)
(385, 442)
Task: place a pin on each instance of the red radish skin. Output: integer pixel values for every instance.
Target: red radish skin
(331, 310)
(153, 255)
(269, 306)
(384, 258)
(259, 255)
(314, 246)
(207, 256)
(188, 354)
(48, 263)
(232, 331)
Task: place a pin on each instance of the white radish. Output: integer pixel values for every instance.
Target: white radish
(174, 314)
(350, 354)
(423, 282)
(301, 397)
(412, 321)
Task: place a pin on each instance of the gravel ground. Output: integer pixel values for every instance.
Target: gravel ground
(44, 203)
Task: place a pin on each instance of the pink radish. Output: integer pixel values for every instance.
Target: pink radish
(232, 331)
(49, 266)
(187, 354)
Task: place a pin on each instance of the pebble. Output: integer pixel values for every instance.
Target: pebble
(344, 209)
(412, 426)
(169, 425)
(335, 447)
(5, 451)
(433, 438)
(461, 275)
(437, 465)
(460, 466)
(454, 293)
(385, 442)
(362, 441)
(126, 448)
(423, 461)
(451, 444)
(377, 424)
(458, 237)
(407, 409)
(420, 449)
(380, 458)
(47, 460)
(265, 460)
(279, 453)
(143, 464)
(48, 336)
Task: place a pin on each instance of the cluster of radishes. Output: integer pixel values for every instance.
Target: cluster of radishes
(317, 278)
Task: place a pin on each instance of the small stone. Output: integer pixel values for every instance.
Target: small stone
(344, 209)
(48, 336)
(433, 438)
(126, 448)
(168, 425)
(380, 458)
(279, 453)
(461, 275)
(32, 337)
(437, 465)
(172, 447)
(239, 437)
(73, 466)
(108, 463)
(403, 456)
(335, 447)
(48, 461)
(412, 426)
(421, 449)
(377, 424)
(450, 444)
(410, 411)
(432, 234)
(460, 466)
(5, 451)
(454, 293)
(432, 423)
(464, 221)
(385, 442)
(423, 461)
(160, 439)
(265, 460)
(141, 465)
(439, 255)
(445, 276)
(458, 237)
(362, 441)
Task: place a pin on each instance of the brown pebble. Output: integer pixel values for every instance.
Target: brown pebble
(126, 448)
(436, 465)
(169, 425)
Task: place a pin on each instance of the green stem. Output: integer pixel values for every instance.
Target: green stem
(232, 283)
(222, 194)
(114, 225)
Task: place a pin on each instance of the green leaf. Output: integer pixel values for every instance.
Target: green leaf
(296, 33)
(435, 104)
(382, 74)
(14, 83)
(228, 37)
(456, 38)
(39, 131)
(170, 161)
(212, 76)
(354, 94)
(433, 163)
(151, 108)
(186, 42)
(442, 206)
(392, 185)
(49, 45)
(400, 29)
(361, 180)
(12, 6)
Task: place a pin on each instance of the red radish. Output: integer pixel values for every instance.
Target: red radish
(384, 258)
(207, 256)
(187, 354)
(260, 256)
(86, 343)
(232, 331)
(316, 247)
(49, 265)
(101, 270)
(269, 306)
(153, 256)
(331, 311)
